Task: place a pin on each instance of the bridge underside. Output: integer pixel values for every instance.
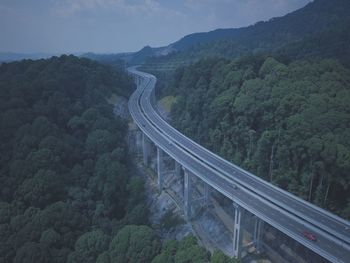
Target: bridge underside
(248, 234)
(206, 192)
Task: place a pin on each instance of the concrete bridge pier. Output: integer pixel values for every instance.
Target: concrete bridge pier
(187, 194)
(237, 231)
(258, 225)
(160, 168)
(146, 148)
(206, 194)
(177, 169)
(138, 141)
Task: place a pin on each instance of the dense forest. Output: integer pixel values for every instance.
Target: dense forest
(272, 97)
(64, 171)
(288, 123)
(320, 29)
(317, 16)
(68, 193)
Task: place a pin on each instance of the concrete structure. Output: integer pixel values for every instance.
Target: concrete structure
(146, 149)
(237, 231)
(257, 233)
(138, 140)
(285, 212)
(160, 168)
(187, 195)
(177, 169)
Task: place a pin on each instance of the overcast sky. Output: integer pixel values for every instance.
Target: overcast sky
(105, 26)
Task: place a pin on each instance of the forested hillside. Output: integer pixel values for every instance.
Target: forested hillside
(65, 187)
(287, 123)
(67, 190)
(320, 29)
(317, 16)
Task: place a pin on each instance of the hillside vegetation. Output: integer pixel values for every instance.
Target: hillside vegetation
(67, 192)
(287, 123)
(320, 29)
(317, 16)
(64, 168)
(272, 97)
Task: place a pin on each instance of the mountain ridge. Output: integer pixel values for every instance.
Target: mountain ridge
(310, 21)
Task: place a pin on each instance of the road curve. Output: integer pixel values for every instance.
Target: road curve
(321, 218)
(286, 213)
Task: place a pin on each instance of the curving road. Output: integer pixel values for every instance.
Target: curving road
(282, 210)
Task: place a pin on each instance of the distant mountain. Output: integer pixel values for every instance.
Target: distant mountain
(321, 28)
(205, 38)
(131, 58)
(10, 56)
(140, 56)
(315, 17)
(297, 34)
(117, 60)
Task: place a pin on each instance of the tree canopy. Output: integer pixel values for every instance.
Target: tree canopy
(287, 123)
(64, 169)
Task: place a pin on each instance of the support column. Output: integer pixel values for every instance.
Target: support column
(206, 194)
(160, 168)
(145, 144)
(187, 194)
(138, 141)
(237, 233)
(257, 233)
(177, 169)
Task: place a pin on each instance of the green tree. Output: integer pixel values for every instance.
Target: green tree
(168, 252)
(32, 252)
(190, 252)
(137, 244)
(88, 247)
(40, 190)
(219, 257)
(50, 238)
(100, 141)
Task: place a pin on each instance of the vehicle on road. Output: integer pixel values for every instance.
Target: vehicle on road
(309, 236)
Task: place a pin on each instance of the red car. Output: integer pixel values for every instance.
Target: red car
(309, 236)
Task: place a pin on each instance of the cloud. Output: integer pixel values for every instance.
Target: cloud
(123, 25)
(70, 7)
(121, 7)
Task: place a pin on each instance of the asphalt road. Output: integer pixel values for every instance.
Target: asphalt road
(283, 211)
(334, 225)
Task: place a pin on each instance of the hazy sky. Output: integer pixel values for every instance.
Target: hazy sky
(61, 26)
